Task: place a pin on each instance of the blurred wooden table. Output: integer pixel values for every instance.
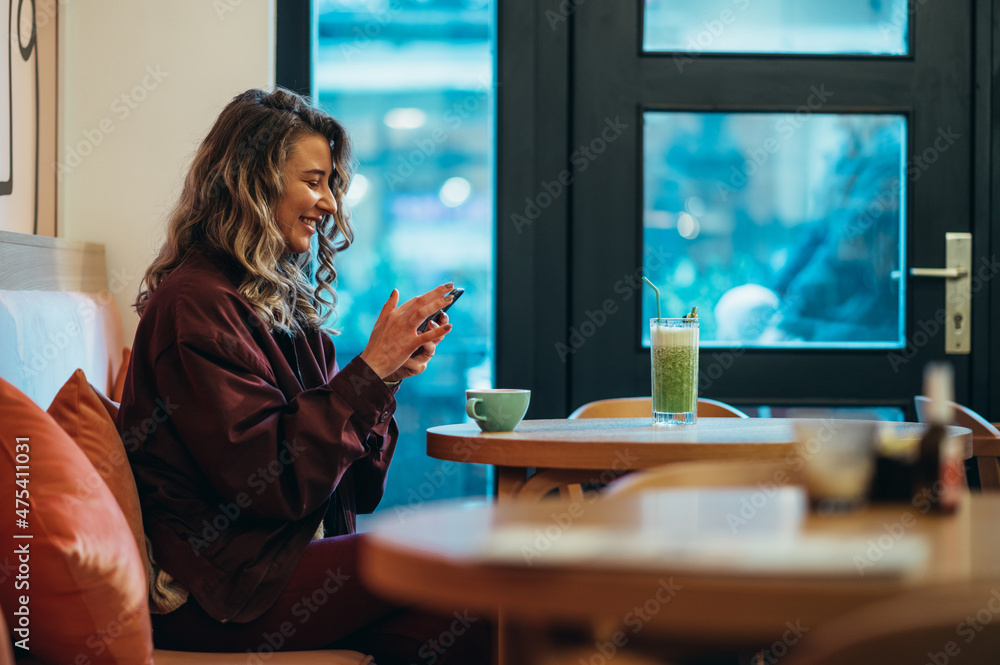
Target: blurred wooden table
(598, 450)
(740, 568)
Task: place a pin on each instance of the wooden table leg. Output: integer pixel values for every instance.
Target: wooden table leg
(510, 480)
(572, 491)
(989, 473)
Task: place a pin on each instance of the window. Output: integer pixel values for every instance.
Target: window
(784, 228)
(875, 27)
(411, 81)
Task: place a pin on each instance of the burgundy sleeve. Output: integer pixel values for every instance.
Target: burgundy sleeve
(370, 471)
(287, 456)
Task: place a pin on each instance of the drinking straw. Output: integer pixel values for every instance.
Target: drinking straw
(646, 279)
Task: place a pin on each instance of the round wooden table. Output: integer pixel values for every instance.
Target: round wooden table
(670, 565)
(597, 450)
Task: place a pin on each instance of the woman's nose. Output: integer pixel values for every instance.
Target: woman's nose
(327, 203)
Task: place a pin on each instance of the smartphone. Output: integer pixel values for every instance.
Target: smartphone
(455, 295)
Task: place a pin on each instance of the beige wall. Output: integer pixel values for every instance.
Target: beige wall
(140, 82)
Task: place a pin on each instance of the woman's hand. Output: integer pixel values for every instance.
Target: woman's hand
(395, 349)
(417, 362)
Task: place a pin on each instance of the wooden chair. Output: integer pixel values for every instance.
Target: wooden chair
(942, 625)
(985, 441)
(723, 473)
(637, 407)
(642, 407)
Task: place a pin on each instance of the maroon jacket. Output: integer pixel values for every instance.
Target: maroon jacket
(243, 441)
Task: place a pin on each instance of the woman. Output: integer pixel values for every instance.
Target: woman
(248, 443)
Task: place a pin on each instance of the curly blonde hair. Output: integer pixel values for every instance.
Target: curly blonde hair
(228, 202)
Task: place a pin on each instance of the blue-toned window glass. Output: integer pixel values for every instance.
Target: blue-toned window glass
(872, 27)
(785, 229)
(411, 80)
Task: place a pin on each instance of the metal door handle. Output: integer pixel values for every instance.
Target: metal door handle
(945, 273)
(956, 315)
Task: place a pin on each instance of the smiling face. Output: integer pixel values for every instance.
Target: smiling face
(307, 197)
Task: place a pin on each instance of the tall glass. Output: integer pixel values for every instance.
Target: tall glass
(674, 355)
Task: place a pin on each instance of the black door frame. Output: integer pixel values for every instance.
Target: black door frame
(535, 119)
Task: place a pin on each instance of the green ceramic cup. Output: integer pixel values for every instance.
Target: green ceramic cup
(497, 410)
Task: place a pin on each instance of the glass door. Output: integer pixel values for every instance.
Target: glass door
(784, 165)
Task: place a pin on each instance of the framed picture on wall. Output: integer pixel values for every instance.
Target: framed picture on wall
(6, 101)
(27, 201)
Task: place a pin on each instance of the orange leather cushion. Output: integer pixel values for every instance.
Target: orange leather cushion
(6, 654)
(82, 414)
(119, 387)
(86, 592)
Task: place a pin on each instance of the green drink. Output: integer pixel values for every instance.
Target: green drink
(674, 355)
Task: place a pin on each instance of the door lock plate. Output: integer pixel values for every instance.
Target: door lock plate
(958, 294)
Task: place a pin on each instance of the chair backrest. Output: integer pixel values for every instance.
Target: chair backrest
(723, 473)
(938, 625)
(642, 407)
(985, 435)
(964, 417)
(713, 408)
